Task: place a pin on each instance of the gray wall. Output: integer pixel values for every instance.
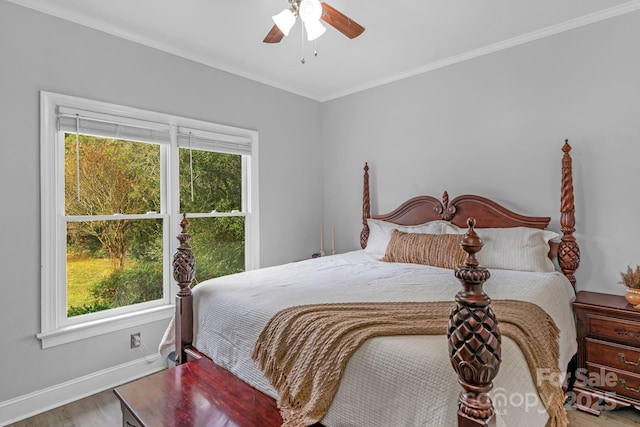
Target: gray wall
(39, 52)
(495, 126)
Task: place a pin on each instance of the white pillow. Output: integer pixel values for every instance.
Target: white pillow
(517, 248)
(380, 233)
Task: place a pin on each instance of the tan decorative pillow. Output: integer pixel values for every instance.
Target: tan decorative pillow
(437, 250)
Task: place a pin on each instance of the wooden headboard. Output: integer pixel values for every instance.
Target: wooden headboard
(488, 214)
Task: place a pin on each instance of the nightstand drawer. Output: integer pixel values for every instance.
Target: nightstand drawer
(623, 384)
(613, 355)
(611, 328)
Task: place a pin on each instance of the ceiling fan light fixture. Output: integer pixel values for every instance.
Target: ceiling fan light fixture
(314, 29)
(285, 21)
(310, 10)
(311, 13)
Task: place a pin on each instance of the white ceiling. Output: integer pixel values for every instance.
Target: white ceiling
(402, 38)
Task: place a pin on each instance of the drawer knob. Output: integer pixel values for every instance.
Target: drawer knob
(624, 385)
(623, 359)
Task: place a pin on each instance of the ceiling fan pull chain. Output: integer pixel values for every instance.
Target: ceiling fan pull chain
(302, 41)
(315, 48)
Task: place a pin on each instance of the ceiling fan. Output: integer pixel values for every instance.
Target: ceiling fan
(311, 12)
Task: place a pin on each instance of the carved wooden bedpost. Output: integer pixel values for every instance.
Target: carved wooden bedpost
(568, 251)
(474, 338)
(366, 209)
(184, 267)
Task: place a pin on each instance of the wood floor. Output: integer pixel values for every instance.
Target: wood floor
(99, 410)
(103, 410)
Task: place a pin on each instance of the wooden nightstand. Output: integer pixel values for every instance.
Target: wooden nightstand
(608, 374)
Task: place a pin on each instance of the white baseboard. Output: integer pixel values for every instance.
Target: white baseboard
(46, 399)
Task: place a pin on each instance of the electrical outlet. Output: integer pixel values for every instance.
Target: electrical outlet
(136, 341)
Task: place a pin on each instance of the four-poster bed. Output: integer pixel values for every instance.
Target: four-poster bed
(212, 323)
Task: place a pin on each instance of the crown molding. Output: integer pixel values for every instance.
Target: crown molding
(505, 44)
(52, 8)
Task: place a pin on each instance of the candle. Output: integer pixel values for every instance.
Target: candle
(333, 242)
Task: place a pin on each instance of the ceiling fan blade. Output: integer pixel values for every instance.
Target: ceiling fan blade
(274, 36)
(341, 22)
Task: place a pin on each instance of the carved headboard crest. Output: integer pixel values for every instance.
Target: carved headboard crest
(446, 211)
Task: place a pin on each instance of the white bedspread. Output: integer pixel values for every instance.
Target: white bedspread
(389, 381)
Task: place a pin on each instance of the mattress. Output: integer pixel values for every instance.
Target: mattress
(389, 381)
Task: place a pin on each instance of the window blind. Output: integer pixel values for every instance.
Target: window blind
(199, 139)
(112, 126)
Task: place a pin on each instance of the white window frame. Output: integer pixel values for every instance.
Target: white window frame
(56, 328)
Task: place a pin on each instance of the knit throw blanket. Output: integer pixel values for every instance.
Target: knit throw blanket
(303, 350)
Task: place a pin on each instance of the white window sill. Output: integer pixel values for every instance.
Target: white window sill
(94, 328)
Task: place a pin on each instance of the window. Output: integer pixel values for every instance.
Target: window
(114, 182)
